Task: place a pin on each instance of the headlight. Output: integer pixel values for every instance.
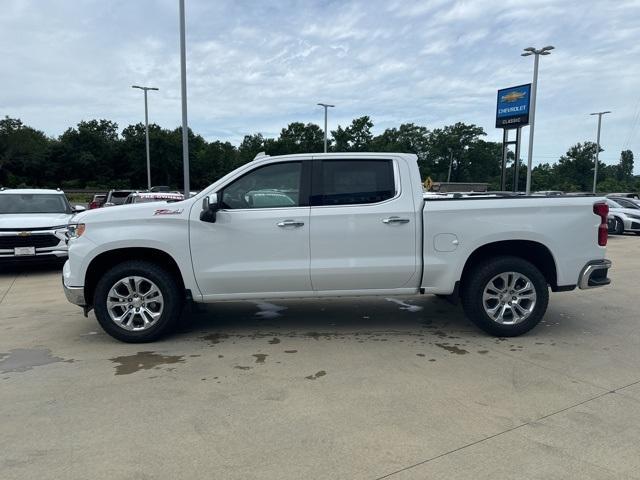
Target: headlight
(75, 230)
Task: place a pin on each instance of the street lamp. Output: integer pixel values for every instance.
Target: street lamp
(532, 117)
(146, 130)
(450, 165)
(326, 107)
(183, 90)
(595, 170)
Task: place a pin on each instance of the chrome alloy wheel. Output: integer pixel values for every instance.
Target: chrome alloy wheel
(135, 303)
(509, 298)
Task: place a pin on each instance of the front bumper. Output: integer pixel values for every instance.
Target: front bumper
(594, 274)
(74, 295)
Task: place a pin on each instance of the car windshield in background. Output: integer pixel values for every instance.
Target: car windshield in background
(30, 203)
(155, 199)
(118, 198)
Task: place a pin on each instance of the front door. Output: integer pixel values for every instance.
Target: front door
(259, 243)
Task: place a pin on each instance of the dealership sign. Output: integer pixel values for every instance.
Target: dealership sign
(513, 106)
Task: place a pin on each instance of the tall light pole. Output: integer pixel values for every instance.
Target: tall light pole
(183, 85)
(146, 130)
(532, 115)
(450, 165)
(326, 107)
(595, 169)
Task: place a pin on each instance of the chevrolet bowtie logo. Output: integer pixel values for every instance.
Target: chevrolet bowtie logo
(24, 234)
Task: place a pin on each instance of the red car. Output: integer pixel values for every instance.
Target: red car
(98, 201)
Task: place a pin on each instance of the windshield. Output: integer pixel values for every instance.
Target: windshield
(33, 203)
(119, 198)
(613, 204)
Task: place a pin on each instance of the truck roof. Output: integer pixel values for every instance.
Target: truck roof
(307, 156)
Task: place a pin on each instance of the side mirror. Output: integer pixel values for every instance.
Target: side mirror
(209, 208)
(79, 208)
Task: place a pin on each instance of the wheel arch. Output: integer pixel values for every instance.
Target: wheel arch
(534, 252)
(106, 260)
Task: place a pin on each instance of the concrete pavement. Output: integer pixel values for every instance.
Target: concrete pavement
(401, 388)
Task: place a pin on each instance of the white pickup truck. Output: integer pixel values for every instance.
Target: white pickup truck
(326, 225)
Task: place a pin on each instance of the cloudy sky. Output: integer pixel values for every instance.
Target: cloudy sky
(254, 66)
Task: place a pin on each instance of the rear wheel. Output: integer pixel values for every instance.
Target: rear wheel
(137, 301)
(505, 296)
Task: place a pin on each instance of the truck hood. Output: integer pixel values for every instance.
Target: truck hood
(134, 211)
(25, 221)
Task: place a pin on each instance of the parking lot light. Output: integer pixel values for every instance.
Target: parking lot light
(146, 130)
(532, 117)
(595, 168)
(326, 107)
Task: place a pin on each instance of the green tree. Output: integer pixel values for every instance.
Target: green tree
(357, 137)
(624, 171)
(574, 170)
(452, 144)
(297, 138)
(24, 155)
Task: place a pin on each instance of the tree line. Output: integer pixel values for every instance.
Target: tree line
(95, 154)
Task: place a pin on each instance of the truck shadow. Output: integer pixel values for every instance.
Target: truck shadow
(12, 268)
(379, 318)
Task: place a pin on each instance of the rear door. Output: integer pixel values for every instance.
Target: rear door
(363, 224)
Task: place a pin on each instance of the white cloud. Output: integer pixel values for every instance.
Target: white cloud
(255, 66)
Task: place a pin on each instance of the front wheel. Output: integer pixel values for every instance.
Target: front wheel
(137, 301)
(505, 296)
(618, 227)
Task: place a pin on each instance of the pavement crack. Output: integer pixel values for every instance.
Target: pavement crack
(9, 289)
(471, 444)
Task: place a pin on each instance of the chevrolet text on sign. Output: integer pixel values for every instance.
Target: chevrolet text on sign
(513, 106)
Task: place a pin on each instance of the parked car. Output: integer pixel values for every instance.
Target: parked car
(626, 195)
(550, 193)
(626, 202)
(147, 197)
(117, 197)
(341, 224)
(621, 218)
(33, 224)
(97, 201)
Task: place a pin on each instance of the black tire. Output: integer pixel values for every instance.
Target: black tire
(166, 283)
(475, 281)
(619, 227)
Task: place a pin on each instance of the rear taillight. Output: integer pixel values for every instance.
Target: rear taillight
(602, 210)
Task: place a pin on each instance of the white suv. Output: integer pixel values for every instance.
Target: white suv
(33, 224)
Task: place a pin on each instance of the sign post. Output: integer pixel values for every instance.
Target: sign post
(512, 112)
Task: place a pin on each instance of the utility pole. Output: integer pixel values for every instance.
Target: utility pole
(450, 165)
(532, 116)
(183, 85)
(146, 130)
(595, 169)
(326, 107)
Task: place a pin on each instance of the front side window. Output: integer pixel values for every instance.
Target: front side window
(354, 182)
(272, 186)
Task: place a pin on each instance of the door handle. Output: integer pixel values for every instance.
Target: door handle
(391, 220)
(290, 223)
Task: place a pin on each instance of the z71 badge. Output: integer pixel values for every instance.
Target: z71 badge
(168, 211)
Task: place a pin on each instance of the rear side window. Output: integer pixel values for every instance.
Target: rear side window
(354, 182)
